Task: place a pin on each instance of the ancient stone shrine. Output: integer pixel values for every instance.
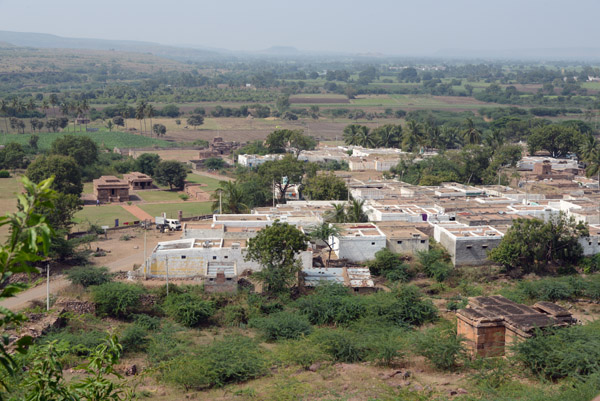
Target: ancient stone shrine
(490, 324)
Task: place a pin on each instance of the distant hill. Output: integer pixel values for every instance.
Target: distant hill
(43, 40)
(572, 53)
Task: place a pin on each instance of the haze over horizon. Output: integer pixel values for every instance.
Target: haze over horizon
(383, 26)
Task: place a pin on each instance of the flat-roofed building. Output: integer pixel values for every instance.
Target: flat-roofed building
(469, 245)
(358, 242)
(405, 239)
(138, 181)
(109, 188)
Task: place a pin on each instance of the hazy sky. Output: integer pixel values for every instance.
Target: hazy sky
(386, 26)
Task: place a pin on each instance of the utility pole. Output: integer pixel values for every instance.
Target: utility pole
(167, 266)
(220, 202)
(145, 257)
(47, 286)
(273, 193)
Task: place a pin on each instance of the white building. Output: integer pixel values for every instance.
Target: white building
(469, 246)
(252, 161)
(358, 242)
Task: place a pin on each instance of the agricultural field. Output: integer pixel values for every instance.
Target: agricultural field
(9, 189)
(104, 139)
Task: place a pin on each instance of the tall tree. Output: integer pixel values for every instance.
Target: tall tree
(388, 136)
(276, 249)
(140, 113)
(355, 212)
(150, 112)
(171, 173)
(229, 198)
(412, 136)
(325, 232)
(471, 133)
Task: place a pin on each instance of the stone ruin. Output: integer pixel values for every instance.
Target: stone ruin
(490, 324)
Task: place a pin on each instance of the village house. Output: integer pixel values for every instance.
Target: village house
(469, 246)
(357, 242)
(109, 188)
(138, 181)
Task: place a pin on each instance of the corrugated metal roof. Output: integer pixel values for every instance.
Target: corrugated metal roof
(226, 267)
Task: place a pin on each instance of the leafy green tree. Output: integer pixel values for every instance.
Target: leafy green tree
(171, 173)
(214, 163)
(159, 129)
(532, 245)
(276, 248)
(195, 121)
(299, 142)
(277, 141)
(282, 173)
(231, 199)
(324, 232)
(28, 242)
(325, 187)
(556, 139)
(110, 125)
(146, 163)
(12, 156)
(283, 103)
(389, 265)
(81, 148)
(66, 172)
(172, 111)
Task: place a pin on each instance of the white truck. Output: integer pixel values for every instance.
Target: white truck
(163, 224)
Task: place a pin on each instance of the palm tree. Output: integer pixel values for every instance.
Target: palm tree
(325, 232)
(125, 115)
(494, 139)
(140, 113)
(593, 167)
(432, 135)
(449, 138)
(338, 214)
(351, 133)
(150, 112)
(54, 101)
(45, 107)
(388, 136)
(365, 138)
(471, 133)
(84, 107)
(31, 106)
(588, 148)
(355, 213)
(231, 200)
(411, 136)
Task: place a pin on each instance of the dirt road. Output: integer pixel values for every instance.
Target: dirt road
(123, 255)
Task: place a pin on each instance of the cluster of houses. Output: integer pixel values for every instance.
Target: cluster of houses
(468, 221)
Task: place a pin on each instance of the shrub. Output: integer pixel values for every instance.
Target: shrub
(134, 338)
(389, 265)
(147, 322)
(166, 345)
(434, 263)
(300, 352)
(564, 352)
(327, 308)
(80, 342)
(89, 275)
(404, 306)
(441, 346)
(342, 345)
(263, 305)
(235, 315)
(231, 360)
(188, 309)
(184, 197)
(4, 174)
(282, 326)
(117, 299)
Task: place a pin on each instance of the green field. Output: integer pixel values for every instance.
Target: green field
(159, 196)
(102, 138)
(104, 215)
(171, 209)
(211, 183)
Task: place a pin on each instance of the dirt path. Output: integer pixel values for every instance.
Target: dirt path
(215, 176)
(122, 257)
(137, 212)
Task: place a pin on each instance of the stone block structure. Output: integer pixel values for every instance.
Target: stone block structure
(109, 188)
(138, 181)
(490, 324)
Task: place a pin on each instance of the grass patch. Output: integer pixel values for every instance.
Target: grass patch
(159, 196)
(211, 183)
(104, 215)
(171, 209)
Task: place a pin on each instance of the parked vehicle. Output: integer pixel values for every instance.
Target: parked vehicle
(163, 224)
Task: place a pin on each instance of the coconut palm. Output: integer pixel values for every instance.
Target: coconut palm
(325, 232)
(411, 136)
(587, 149)
(355, 212)
(150, 112)
(450, 138)
(388, 136)
(231, 200)
(54, 101)
(338, 214)
(140, 113)
(4, 111)
(593, 167)
(351, 134)
(471, 134)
